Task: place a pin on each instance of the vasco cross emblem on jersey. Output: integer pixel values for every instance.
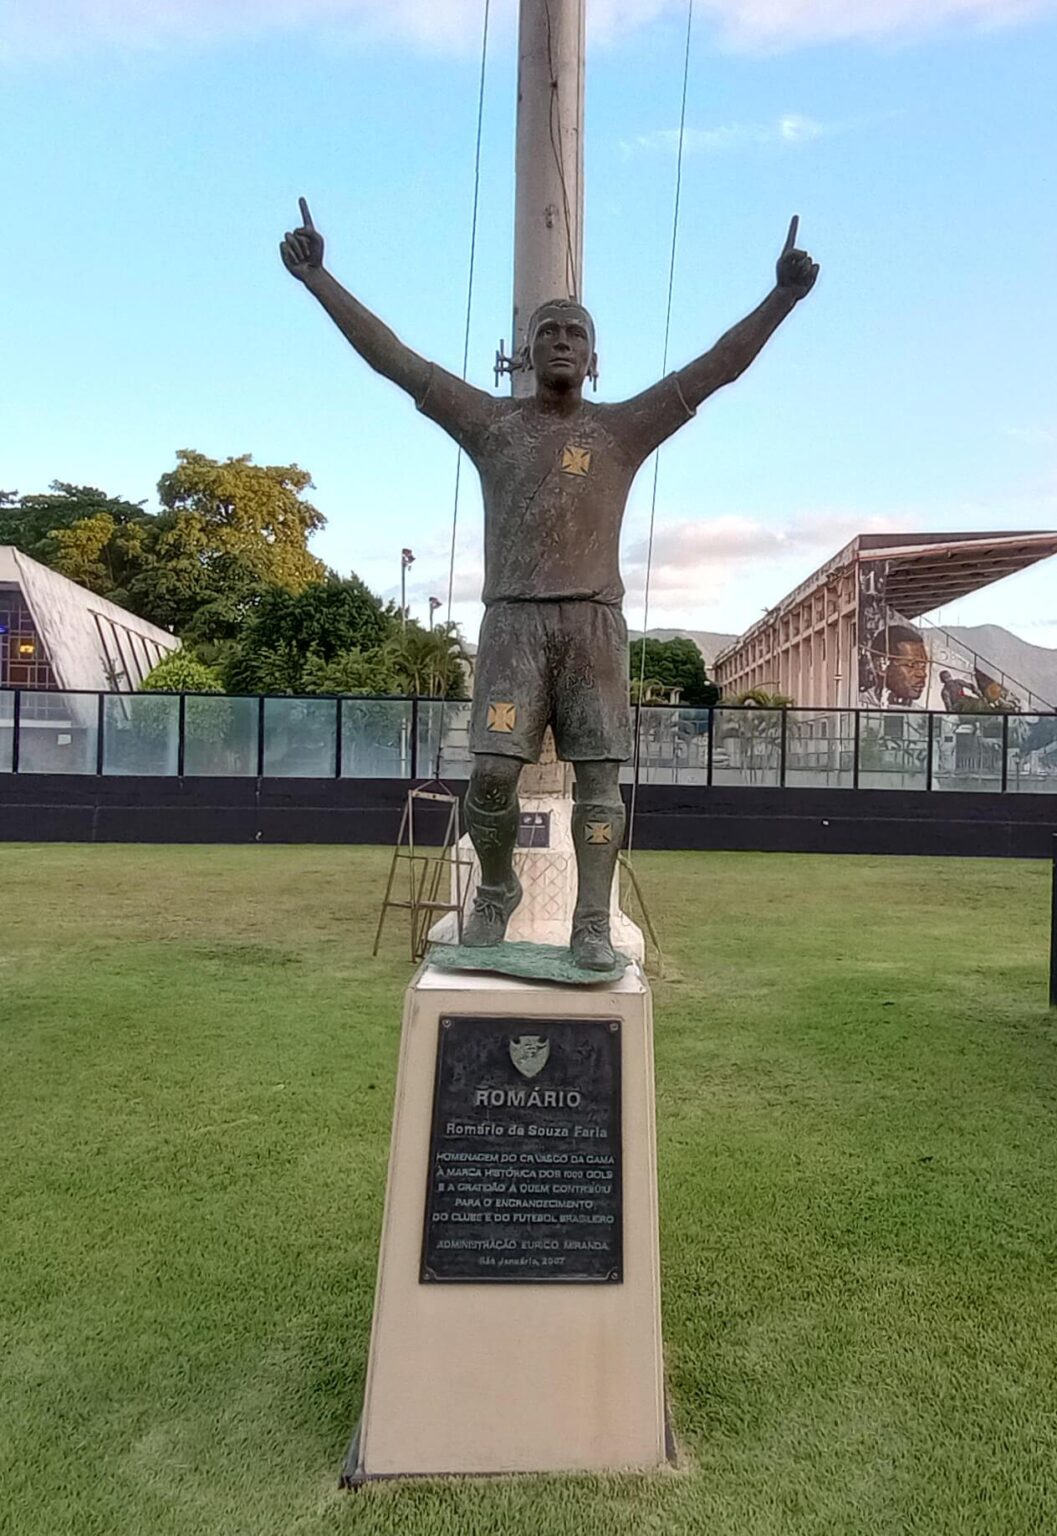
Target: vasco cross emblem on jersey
(502, 718)
(576, 460)
(530, 1054)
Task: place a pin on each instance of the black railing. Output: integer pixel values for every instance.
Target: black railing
(393, 736)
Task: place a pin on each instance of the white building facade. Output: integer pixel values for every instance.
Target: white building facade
(55, 634)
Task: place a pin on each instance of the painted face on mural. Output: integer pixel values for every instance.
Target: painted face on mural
(907, 672)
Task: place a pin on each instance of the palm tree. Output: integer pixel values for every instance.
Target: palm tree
(757, 729)
(761, 698)
(429, 661)
(649, 690)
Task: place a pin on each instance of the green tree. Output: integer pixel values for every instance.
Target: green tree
(229, 531)
(288, 631)
(356, 671)
(675, 664)
(181, 673)
(31, 523)
(100, 553)
(254, 512)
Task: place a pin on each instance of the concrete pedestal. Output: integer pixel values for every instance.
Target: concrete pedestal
(518, 1377)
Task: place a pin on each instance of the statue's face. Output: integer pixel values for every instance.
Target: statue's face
(562, 347)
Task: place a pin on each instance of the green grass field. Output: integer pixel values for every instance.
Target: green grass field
(857, 1082)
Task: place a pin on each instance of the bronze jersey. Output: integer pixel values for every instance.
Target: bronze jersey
(555, 486)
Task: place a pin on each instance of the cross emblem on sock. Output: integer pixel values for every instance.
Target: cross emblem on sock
(599, 831)
(502, 718)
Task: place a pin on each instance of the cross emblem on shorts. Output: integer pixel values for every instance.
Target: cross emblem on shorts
(599, 831)
(576, 460)
(502, 718)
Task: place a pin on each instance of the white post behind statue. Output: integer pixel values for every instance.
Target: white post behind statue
(549, 200)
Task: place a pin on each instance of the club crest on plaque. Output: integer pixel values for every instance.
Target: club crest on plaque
(530, 1054)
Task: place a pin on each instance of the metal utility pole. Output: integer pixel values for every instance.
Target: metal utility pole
(548, 213)
(406, 559)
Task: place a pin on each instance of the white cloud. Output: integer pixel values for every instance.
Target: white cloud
(783, 23)
(719, 573)
(33, 27)
(1033, 437)
(723, 573)
(466, 587)
(64, 26)
(793, 128)
(686, 553)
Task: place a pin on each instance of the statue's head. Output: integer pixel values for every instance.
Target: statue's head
(560, 345)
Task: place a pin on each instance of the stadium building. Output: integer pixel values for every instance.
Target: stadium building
(852, 636)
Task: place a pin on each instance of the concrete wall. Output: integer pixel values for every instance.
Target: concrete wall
(84, 808)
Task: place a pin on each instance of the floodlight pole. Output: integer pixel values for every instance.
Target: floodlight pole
(549, 198)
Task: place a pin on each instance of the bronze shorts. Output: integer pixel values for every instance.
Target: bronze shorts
(563, 664)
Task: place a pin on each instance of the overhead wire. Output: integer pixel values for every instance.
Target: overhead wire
(470, 283)
(657, 455)
(472, 272)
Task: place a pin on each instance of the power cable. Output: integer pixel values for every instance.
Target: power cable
(466, 337)
(470, 284)
(657, 456)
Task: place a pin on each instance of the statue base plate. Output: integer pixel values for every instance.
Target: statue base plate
(528, 962)
(468, 1376)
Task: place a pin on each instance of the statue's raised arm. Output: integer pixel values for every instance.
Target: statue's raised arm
(728, 359)
(450, 401)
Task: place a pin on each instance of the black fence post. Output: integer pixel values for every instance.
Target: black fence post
(855, 750)
(1053, 932)
(339, 715)
(711, 744)
(1005, 753)
(414, 739)
(181, 736)
(260, 736)
(932, 740)
(16, 732)
(783, 748)
(100, 731)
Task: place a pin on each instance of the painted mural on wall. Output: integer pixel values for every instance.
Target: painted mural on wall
(904, 666)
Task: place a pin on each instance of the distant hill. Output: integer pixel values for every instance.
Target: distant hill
(1033, 665)
(708, 644)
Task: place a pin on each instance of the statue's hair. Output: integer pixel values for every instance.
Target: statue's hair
(566, 306)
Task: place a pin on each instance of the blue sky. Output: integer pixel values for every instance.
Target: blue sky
(154, 150)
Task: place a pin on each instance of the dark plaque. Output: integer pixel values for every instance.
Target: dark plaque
(524, 1179)
(534, 829)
